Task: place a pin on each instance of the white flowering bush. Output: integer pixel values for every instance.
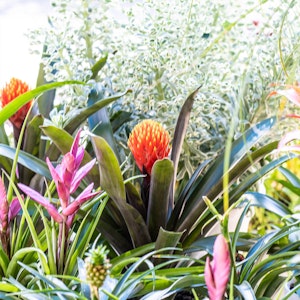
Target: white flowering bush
(164, 50)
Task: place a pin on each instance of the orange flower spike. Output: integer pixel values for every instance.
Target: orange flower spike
(148, 142)
(12, 90)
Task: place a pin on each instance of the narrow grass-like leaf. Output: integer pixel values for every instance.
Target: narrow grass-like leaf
(187, 281)
(246, 290)
(4, 261)
(83, 236)
(195, 204)
(35, 238)
(7, 288)
(290, 176)
(12, 267)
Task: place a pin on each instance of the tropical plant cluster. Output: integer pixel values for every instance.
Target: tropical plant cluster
(154, 132)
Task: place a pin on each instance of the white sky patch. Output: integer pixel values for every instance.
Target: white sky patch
(16, 19)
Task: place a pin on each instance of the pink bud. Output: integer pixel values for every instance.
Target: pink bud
(292, 93)
(4, 208)
(14, 209)
(217, 272)
(42, 201)
(289, 137)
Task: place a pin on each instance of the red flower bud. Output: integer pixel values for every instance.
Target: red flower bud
(11, 91)
(148, 142)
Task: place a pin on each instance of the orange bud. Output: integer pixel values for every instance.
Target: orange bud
(12, 90)
(148, 142)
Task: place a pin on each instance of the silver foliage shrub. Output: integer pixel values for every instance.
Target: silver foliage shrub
(164, 50)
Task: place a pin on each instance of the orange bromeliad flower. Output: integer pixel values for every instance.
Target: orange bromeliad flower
(12, 90)
(148, 142)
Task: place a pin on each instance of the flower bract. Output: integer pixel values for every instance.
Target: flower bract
(148, 142)
(217, 272)
(12, 90)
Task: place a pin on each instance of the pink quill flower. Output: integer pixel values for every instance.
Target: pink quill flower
(67, 177)
(217, 272)
(8, 211)
(292, 93)
(289, 137)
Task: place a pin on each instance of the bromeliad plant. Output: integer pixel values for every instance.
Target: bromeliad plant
(53, 238)
(67, 177)
(162, 210)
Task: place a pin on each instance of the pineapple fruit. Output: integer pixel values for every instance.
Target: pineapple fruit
(97, 267)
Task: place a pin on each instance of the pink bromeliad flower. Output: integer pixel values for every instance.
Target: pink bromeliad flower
(8, 212)
(67, 177)
(217, 272)
(292, 93)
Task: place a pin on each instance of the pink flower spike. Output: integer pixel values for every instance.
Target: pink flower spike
(42, 201)
(62, 189)
(292, 93)
(14, 209)
(4, 208)
(82, 198)
(80, 174)
(79, 157)
(76, 151)
(217, 272)
(75, 144)
(291, 136)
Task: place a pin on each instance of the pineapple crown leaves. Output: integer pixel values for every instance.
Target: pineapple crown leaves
(98, 256)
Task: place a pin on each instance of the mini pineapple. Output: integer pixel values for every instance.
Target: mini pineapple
(97, 268)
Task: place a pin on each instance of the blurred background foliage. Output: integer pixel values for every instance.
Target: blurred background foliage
(236, 52)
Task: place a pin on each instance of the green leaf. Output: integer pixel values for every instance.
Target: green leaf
(158, 206)
(261, 247)
(27, 160)
(125, 259)
(269, 203)
(3, 135)
(187, 281)
(8, 288)
(246, 290)
(134, 198)
(98, 66)
(10, 109)
(179, 133)
(83, 236)
(99, 122)
(203, 185)
(111, 181)
(31, 145)
(33, 136)
(240, 188)
(4, 261)
(183, 195)
(290, 176)
(12, 267)
(167, 239)
(80, 115)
